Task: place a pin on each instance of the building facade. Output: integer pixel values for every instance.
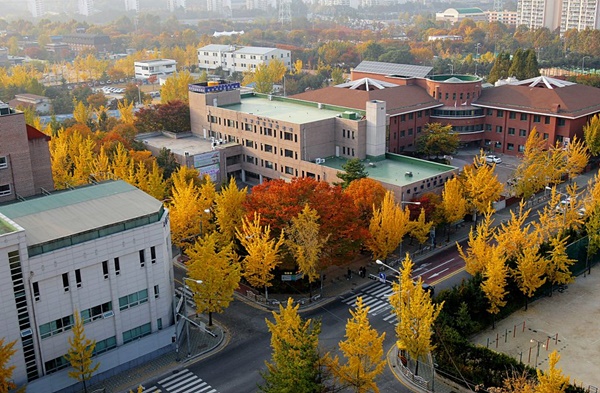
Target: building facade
(36, 8)
(79, 42)
(102, 251)
(563, 14)
(506, 17)
(240, 59)
(457, 15)
(85, 7)
(580, 15)
(40, 104)
(132, 5)
(25, 168)
(160, 68)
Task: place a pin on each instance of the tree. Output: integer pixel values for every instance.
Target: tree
(295, 365)
(306, 244)
(229, 209)
(173, 116)
(265, 75)
(529, 272)
(532, 68)
(552, 381)
(479, 251)
(6, 352)
(416, 314)
(500, 68)
(534, 171)
(167, 162)
(185, 209)
(80, 353)
(494, 284)
(557, 267)
(576, 157)
(262, 252)
(366, 194)
(125, 109)
(437, 139)
(82, 113)
(517, 66)
(514, 235)
(354, 169)
(420, 228)
(176, 87)
(454, 206)
(363, 350)
(591, 135)
(219, 271)
(481, 185)
(388, 227)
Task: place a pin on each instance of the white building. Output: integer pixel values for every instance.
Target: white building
(36, 7)
(85, 7)
(580, 15)
(159, 68)
(240, 59)
(104, 251)
(132, 5)
(220, 7)
(539, 13)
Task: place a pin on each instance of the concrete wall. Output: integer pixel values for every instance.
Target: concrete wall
(15, 147)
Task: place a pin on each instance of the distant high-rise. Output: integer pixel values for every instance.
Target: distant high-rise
(36, 7)
(175, 4)
(221, 7)
(85, 7)
(132, 5)
(566, 14)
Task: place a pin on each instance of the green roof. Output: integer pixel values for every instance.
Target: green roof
(5, 227)
(473, 10)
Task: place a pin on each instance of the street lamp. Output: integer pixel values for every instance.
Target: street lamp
(185, 313)
(451, 68)
(409, 203)
(388, 266)
(477, 57)
(537, 354)
(207, 211)
(583, 64)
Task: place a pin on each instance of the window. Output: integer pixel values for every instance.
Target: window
(352, 134)
(3, 162)
(420, 113)
(289, 170)
(343, 132)
(521, 148)
(36, 291)
(142, 258)
(288, 153)
(105, 345)
(5, 189)
(402, 133)
(418, 130)
(105, 269)
(523, 116)
(159, 323)
(57, 326)
(132, 300)
(546, 136)
(54, 365)
(511, 131)
(117, 267)
(402, 117)
(512, 115)
(288, 136)
(78, 277)
(560, 122)
(410, 131)
(499, 129)
(537, 118)
(488, 127)
(96, 312)
(510, 146)
(251, 159)
(522, 132)
(547, 120)
(65, 279)
(156, 291)
(490, 112)
(411, 116)
(249, 143)
(499, 113)
(268, 148)
(268, 165)
(135, 333)
(153, 254)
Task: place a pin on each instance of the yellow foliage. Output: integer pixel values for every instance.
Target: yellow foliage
(478, 253)
(481, 185)
(80, 353)
(514, 235)
(494, 284)
(229, 210)
(420, 229)
(557, 269)
(454, 205)
(552, 381)
(530, 270)
(6, 352)
(388, 226)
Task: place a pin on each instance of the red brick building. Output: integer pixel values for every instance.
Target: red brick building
(25, 168)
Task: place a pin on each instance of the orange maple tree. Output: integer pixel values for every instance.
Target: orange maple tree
(278, 202)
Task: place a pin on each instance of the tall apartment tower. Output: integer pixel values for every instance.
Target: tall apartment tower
(175, 4)
(580, 15)
(85, 7)
(222, 7)
(132, 5)
(36, 7)
(539, 13)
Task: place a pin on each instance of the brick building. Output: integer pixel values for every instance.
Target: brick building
(25, 168)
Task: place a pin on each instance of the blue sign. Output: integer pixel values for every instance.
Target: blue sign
(382, 277)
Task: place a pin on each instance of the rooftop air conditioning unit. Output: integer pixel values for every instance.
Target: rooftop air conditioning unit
(409, 174)
(372, 164)
(320, 106)
(186, 153)
(320, 160)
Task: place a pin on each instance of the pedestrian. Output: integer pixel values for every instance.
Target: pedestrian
(349, 273)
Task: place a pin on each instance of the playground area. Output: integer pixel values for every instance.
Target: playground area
(567, 322)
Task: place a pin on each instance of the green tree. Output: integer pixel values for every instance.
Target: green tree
(219, 271)
(416, 315)
(80, 353)
(6, 352)
(388, 227)
(500, 68)
(363, 350)
(591, 135)
(437, 139)
(532, 68)
(354, 169)
(518, 65)
(295, 365)
(167, 162)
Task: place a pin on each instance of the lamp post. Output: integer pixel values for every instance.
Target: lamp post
(537, 354)
(477, 57)
(207, 211)
(388, 266)
(185, 313)
(583, 64)
(451, 68)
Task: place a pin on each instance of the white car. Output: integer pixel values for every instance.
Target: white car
(491, 159)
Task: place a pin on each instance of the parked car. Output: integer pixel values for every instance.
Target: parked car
(492, 159)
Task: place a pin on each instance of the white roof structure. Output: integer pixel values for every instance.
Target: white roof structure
(254, 50)
(539, 81)
(366, 84)
(217, 48)
(404, 70)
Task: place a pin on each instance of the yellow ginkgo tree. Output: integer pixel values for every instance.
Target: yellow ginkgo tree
(494, 283)
(7, 350)
(229, 209)
(388, 227)
(479, 249)
(263, 252)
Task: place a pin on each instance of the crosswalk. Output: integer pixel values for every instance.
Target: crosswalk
(183, 382)
(376, 296)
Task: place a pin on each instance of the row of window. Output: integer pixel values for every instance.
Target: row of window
(410, 132)
(137, 332)
(134, 299)
(524, 117)
(61, 362)
(3, 162)
(248, 125)
(461, 96)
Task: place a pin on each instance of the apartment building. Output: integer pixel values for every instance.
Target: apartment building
(580, 15)
(563, 14)
(175, 5)
(132, 5)
(240, 59)
(160, 68)
(25, 168)
(102, 251)
(36, 8)
(505, 17)
(85, 7)
(78, 42)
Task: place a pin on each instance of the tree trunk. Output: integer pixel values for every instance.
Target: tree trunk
(210, 318)
(417, 368)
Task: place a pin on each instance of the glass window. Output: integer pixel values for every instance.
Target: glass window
(3, 162)
(523, 116)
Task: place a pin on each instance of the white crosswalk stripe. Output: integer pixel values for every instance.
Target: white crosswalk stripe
(185, 382)
(376, 296)
(152, 389)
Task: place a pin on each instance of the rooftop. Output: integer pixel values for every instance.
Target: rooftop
(254, 50)
(394, 168)
(191, 144)
(66, 213)
(155, 61)
(405, 70)
(455, 78)
(284, 109)
(5, 227)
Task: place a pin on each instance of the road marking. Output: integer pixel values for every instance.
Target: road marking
(438, 273)
(185, 382)
(448, 276)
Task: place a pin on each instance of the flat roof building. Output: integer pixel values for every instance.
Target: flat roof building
(144, 69)
(239, 59)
